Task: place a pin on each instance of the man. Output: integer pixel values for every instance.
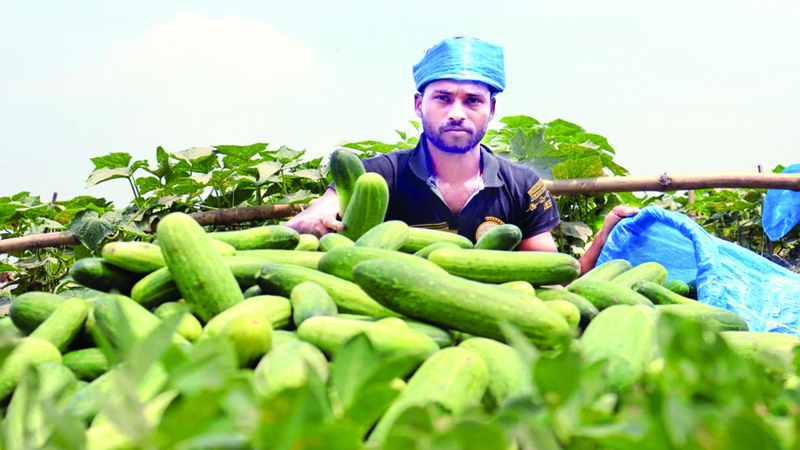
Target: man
(450, 181)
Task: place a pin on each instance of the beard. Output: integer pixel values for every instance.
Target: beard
(437, 138)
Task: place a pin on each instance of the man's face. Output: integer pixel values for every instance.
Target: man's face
(455, 114)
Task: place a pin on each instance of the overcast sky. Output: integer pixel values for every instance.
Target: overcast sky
(681, 86)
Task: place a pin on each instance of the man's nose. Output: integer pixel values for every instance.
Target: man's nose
(457, 112)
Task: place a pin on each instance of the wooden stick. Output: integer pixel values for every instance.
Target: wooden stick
(218, 217)
(666, 182)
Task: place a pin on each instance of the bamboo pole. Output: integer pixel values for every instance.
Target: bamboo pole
(732, 180)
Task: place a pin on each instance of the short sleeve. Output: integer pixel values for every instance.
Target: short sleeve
(537, 207)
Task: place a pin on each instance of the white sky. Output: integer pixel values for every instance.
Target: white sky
(681, 86)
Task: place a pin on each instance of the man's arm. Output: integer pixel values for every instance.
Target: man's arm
(589, 259)
(320, 217)
(542, 242)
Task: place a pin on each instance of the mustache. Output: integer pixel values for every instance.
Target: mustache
(455, 128)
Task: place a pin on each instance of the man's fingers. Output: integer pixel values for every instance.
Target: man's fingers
(332, 223)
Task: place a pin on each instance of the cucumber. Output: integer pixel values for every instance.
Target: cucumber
(457, 303)
(88, 363)
(603, 294)
(520, 286)
(587, 310)
(346, 168)
(64, 324)
(606, 271)
(509, 377)
(308, 259)
(108, 435)
(199, 271)
(307, 243)
(280, 337)
(389, 235)
(280, 279)
(308, 300)
(155, 288)
(443, 338)
(660, 294)
(330, 333)
(567, 310)
(679, 287)
(419, 238)
(111, 310)
(266, 236)
(774, 350)
(341, 261)
(455, 377)
(332, 240)
(28, 352)
(189, 327)
(428, 249)
(274, 309)
(501, 237)
(287, 366)
(647, 271)
(367, 206)
(625, 336)
(495, 266)
(252, 291)
(714, 318)
(30, 309)
(136, 257)
(8, 329)
(251, 335)
(99, 274)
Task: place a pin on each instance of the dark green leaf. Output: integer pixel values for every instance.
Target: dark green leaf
(519, 122)
(557, 377)
(90, 229)
(147, 184)
(587, 167)
(560, 128)
(111, 161)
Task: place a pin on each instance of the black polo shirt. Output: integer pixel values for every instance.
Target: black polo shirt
(509, 193)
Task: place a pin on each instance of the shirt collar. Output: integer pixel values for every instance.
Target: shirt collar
(490, 168)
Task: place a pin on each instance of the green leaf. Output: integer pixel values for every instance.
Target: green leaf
(575, 229)
(7, 267)
(191, 155)
(311, 174)
(286, 155)
(241, 152)
(147, 184)
(519, 122)
(587, 167)
(557, 377)
(267, 169)
(561, 128)
(105, 174)
(111, 161)
(301, 196)
(471, 434)
(90, 229)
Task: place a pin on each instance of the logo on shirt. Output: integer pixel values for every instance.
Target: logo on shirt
(490, 222)
(539, 197)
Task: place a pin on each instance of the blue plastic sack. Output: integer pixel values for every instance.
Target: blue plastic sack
(781, 209)
(729, 276)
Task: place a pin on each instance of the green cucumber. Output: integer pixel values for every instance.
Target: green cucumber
(28, 352)
(714, 318)
(280, 279)
(567, 310)
(280, 337)
(501, 237)
(330, 333)
(112, 311)
(428, 249)
(332, 240)
(367, 206)
(189, 327)
(603, 294)
(457, 303)
(30, 309)
(496, 266)
(274, 309)
(341, 261)
(679, 287)
(521, 286)
(308, 300)
(605, 272)
(252, 291)
(251, 335)
(287, 366)
(455, 377)
(136, 257)
(64, 324)
(774, 350)
(307, 243)
(346, 168)
(199, 271)
(389, 235)
(99, 274)
(660, 294)
(308, 259)
(88, 363)
(625, 336)
(647, 271)
(587, 310)
(263, 237)
(419, 238)
(509, 377)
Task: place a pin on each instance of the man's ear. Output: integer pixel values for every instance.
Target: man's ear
(492, 103)
(418, 104)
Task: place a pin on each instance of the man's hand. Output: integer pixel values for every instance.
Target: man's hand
(320, 217)
(619, 212)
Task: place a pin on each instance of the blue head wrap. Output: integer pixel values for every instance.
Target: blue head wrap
(462, 59)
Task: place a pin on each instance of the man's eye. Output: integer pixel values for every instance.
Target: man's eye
(441, 98)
